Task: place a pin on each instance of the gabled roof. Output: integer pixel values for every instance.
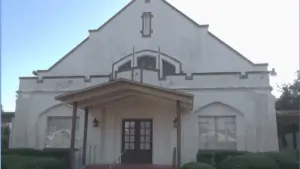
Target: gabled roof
(122, 89)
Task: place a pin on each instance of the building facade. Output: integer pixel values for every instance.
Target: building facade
(131, 73)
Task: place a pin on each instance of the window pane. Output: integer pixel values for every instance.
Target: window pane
(147, 139)
(147, 62)
(146, 20)
(226, 132)
(132, 124)
(206, 132)
(148, 125)
(126, 66)
(168, 68)
(126, 138)
(147, 146)
(142, 139)
(147, 132)
(127, 124)
(59, 132)
(131, 146)
(131, 138)
(132, 131)
(217, 132)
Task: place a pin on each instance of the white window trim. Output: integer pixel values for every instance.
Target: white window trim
(158, 58)
(121, 62)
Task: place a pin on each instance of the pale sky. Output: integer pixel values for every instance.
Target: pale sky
(35, 34)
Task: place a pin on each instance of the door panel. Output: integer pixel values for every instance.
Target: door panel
(137, 141)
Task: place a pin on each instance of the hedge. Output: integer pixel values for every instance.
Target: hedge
(196, 165)
(248, 161)
(32, 162)
(214, 157)
(48, 152)
(283, 160)
(37, 158)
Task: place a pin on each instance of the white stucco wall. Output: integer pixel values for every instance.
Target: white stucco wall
(250, 100)
(210, 70)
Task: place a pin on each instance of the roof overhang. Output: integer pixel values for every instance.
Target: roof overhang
(121, 89)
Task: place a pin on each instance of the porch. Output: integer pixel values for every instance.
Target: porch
(136, 122)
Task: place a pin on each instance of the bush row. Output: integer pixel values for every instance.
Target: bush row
(242, 160)
(24, 158)
(31, 162)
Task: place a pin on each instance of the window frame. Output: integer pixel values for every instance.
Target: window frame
(159, 58)
(213, 117)
(77, 128)
(148, 33)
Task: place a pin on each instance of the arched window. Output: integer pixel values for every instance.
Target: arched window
(146, 62)
(168, 68)
(126, 66)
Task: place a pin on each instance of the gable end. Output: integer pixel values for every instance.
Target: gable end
(64, 57)
(235, 51)
(167, 3)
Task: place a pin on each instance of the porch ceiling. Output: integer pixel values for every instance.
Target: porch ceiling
(111, 92)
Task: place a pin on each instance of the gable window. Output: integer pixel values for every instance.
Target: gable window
(146, 62)
(217, 132)
(146, 24)
(126, 66)
(168, 68)
(58, 133)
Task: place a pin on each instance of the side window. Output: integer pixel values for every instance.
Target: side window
(58, 132)
(217, 133)
(168, 68)
(146, 24)
(146, 62)
(126, 66)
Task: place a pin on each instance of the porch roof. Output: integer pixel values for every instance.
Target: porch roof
(121, 89)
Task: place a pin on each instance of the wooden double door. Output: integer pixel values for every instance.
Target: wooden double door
(137, 144)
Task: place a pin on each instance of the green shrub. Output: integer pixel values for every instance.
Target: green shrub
(248, 161)
(283, 160)
(22, 151)
(196, 165)
(27, 153)
(31, 162)
(44, 163)
(14, 161)
(57, 152)
(5, 141)
(3, 166)
(214, 157)
(47, 152)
